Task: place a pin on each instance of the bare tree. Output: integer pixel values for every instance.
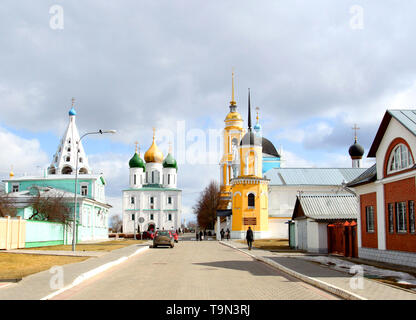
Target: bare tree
(116, 223)
(7, 207)
(53, 208)
(206, 206)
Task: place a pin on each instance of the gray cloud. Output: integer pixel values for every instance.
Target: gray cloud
(130, 64)
(133, 65)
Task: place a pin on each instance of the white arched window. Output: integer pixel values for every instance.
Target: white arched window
(400, 159)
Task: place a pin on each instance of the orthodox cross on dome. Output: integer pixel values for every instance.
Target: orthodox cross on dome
(355, 128)
(170, 147)
(257, 111)
(154, 133)
(136, 143)
(73, 101)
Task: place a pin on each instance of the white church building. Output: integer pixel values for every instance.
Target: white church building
(152, 200)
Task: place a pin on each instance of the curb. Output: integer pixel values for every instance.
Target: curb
(312, 281)
(89, 274)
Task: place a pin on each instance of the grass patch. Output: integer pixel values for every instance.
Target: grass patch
(270, 244)
(17, 266)
(100, 246)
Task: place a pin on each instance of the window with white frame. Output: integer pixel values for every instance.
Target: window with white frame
(391, 217)
(131, 200)
(400, 159)
(401, 221)
(152, 202)
(169, 200)
(412, 221)
(169, 217)
(15, 188)
(84, 190)
(369, 213)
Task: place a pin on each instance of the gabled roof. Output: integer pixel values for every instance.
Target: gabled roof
(368, 176)
(312, 176)
(21, 198)
(327, 206)
(406, 117)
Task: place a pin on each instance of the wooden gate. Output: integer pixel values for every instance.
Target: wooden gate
(12, 233)
(342, 239)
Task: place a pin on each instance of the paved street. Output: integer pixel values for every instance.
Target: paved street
(193, 270)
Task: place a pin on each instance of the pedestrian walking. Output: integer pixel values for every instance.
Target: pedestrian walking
(200, 235)
(197, 236)
(249, 238)
(227, 235)
(222, 234)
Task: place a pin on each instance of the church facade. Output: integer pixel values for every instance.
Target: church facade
(58, 180)
(152, 200)
(243, 190)
(255, 191)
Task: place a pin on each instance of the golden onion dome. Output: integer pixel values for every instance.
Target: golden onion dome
(153, 154)
(233, 116)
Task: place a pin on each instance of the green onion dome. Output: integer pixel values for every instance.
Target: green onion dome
(136, 162)
(170, 162)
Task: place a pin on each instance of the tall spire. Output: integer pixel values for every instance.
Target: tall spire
(64, 160)
(249, 111)
(232, 102)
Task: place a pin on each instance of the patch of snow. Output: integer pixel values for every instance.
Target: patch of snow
(342, 265)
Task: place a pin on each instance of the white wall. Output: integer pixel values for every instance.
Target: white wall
(282, 199)
(302, 234)
(393, 131)
(278, 228)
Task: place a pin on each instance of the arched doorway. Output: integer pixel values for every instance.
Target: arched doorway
(151, 227)
(66, 170)
(83, 171)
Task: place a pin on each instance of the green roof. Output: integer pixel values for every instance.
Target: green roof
(170, 162)
(136, 162)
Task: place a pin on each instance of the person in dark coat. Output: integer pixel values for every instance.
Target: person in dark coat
(249, 238)
(227, 234)
(200, 235)
(222, 234)
(197, 236)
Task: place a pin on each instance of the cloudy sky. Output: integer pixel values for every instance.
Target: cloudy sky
(314, 68)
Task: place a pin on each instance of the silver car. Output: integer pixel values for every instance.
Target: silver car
(163, 238)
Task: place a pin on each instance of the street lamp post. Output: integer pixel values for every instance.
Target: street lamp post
(74, 225)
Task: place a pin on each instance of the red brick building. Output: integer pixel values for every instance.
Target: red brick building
(387, 193)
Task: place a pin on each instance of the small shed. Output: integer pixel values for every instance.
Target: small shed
(325, 223)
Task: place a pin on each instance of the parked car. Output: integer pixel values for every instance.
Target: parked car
(163, 238)
(148, 235)
(175, 236)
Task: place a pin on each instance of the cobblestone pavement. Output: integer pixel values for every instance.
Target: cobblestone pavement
(194, 270)
(371, 289)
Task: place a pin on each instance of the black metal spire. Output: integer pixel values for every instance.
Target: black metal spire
(249, 111)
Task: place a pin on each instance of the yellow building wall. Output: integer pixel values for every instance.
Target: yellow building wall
(251, 158)
(241, 210)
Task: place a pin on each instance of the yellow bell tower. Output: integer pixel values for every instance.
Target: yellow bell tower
(229, 164)
(249, 190)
